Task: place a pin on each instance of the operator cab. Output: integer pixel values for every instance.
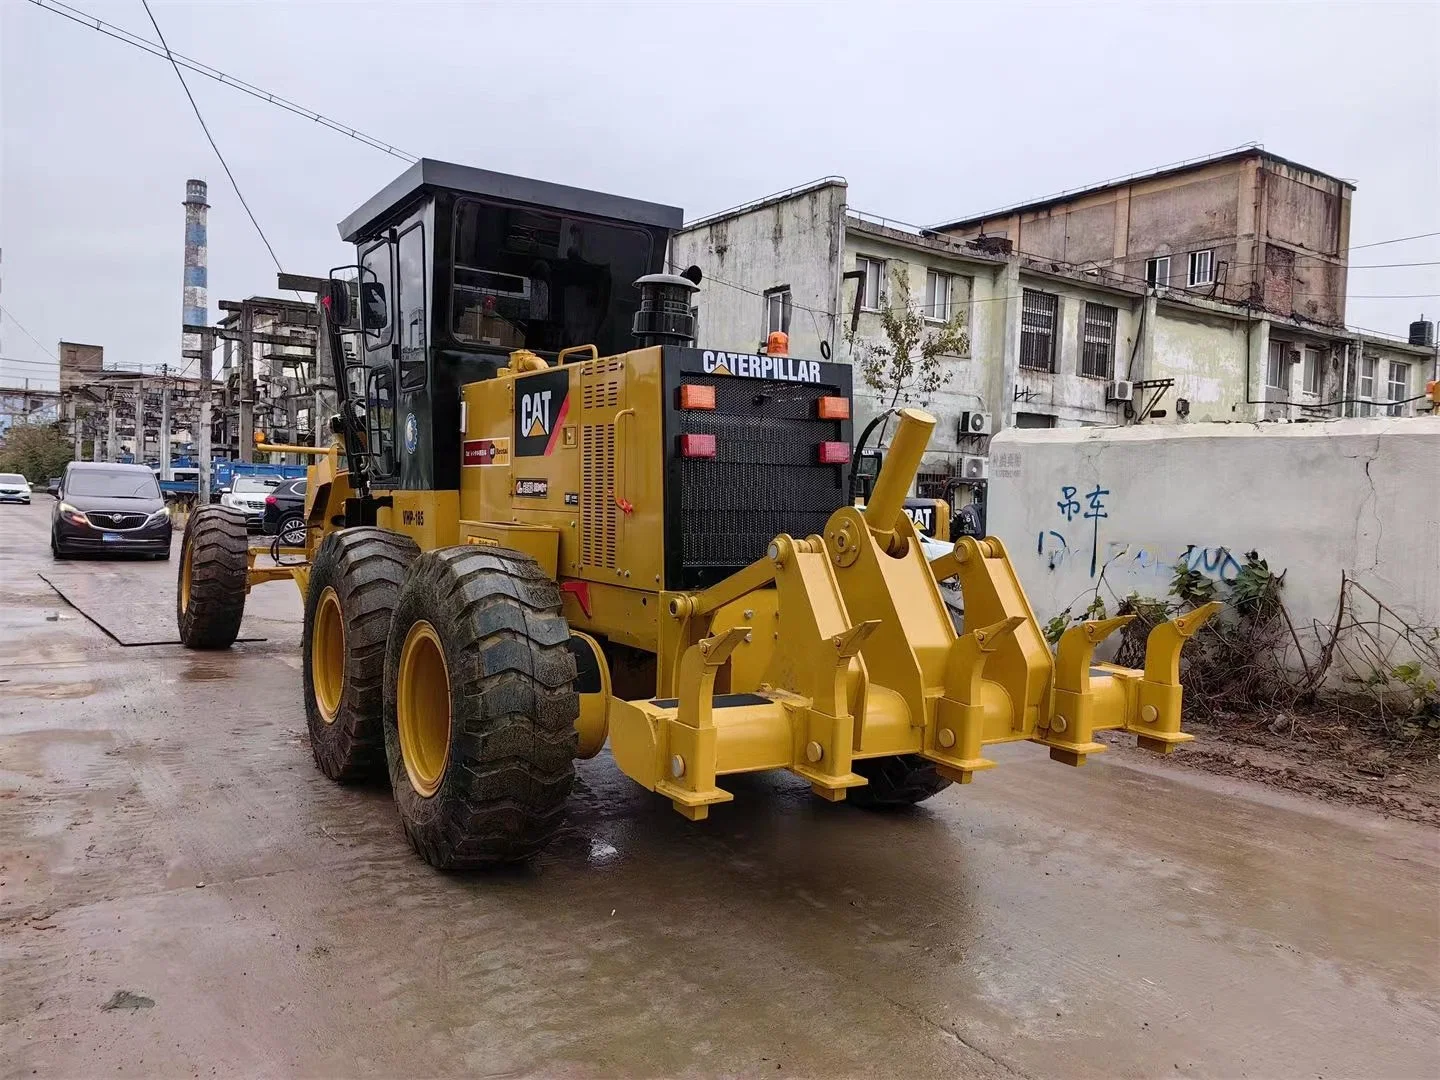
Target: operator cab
(458, 267)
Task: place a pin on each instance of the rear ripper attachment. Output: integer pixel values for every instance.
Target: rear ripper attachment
(858, 659)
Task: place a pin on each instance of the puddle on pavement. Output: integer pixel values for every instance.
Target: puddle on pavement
(48, 690)
(200, 671)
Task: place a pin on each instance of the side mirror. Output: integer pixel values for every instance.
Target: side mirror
(337, 304)
(374, 309)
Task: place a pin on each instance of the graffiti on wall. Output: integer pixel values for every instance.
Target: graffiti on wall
(1076, 534)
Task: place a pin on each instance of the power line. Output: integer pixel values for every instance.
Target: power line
(27, 333)
(87, 20)
(206, 128)
(1397, 240)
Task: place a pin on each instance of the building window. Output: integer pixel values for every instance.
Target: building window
(873, 290)
(777, 310)
(1034, 420)
(1038, 313)
(1097, 340)
(1157, 271)
(937, 295)
(1368, 366)
(1399, 387)
(1202, 267)
(1277, 371)
(1312, 372)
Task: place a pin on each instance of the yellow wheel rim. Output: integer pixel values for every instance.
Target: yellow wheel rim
(422, 706)
(327, 655)
(186, 560)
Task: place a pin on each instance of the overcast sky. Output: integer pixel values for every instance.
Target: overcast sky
(931, 111)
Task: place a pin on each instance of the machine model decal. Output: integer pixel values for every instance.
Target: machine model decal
(753, 366)
(532, 489)
(412, 433)
(486, 452)
(542, 402)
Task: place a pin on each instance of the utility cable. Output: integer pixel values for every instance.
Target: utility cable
(27, 333)
(87, 20)
(210, 138)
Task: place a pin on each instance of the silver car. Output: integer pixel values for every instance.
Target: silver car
(14, 488)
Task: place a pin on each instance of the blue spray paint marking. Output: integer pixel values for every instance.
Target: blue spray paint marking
(1067, 504)
(1216, 562)
(1095, 513)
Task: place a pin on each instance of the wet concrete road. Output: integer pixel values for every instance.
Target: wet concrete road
(1120, 920)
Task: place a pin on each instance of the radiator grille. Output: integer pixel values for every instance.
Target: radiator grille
(765, 478)
(601, 390)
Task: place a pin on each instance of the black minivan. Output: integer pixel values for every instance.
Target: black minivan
(110, 508)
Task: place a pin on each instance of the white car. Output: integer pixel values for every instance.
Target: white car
(14, 488)
(248, 493)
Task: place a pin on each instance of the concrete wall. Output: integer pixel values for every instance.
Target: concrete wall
(792, 241)
(1205, 354)
(1312, 499)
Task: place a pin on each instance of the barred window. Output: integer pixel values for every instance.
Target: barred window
(1038, 313)
(1097, 340)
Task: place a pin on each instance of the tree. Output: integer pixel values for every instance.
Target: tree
(907, 363)
(36, 451)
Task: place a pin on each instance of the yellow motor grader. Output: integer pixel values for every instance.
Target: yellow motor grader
(521, 548)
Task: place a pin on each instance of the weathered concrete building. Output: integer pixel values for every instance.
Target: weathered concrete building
(80, 364)
(1245, 225)
(1050, 343)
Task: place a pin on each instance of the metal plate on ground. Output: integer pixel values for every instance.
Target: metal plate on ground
(129, 610)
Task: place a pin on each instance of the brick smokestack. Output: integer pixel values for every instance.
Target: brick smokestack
(196, 298)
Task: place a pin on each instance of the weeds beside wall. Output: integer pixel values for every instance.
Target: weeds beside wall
(1368, 665)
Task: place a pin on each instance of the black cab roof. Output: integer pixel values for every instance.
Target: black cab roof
(428, 175)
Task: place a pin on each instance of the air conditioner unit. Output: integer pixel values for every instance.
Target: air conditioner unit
(974, 423)
(974, 468)
(1120, 390)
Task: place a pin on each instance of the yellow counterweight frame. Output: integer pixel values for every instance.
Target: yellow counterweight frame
(861, 659)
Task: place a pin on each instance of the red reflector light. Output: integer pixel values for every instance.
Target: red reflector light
(693, 396)
(834, 408)
(270, 500)
(834, 453)
(697, 445)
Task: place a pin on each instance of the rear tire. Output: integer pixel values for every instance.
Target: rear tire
(210, 593)
(354, 583)
(481, 768)
(902, 780)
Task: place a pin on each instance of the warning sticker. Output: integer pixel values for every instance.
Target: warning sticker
(486, 452)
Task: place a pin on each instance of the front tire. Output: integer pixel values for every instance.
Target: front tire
(480, 707)
(902, 780)
(210, 593)
(354, 583)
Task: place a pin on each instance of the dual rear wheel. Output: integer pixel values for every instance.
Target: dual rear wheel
(451, 670)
